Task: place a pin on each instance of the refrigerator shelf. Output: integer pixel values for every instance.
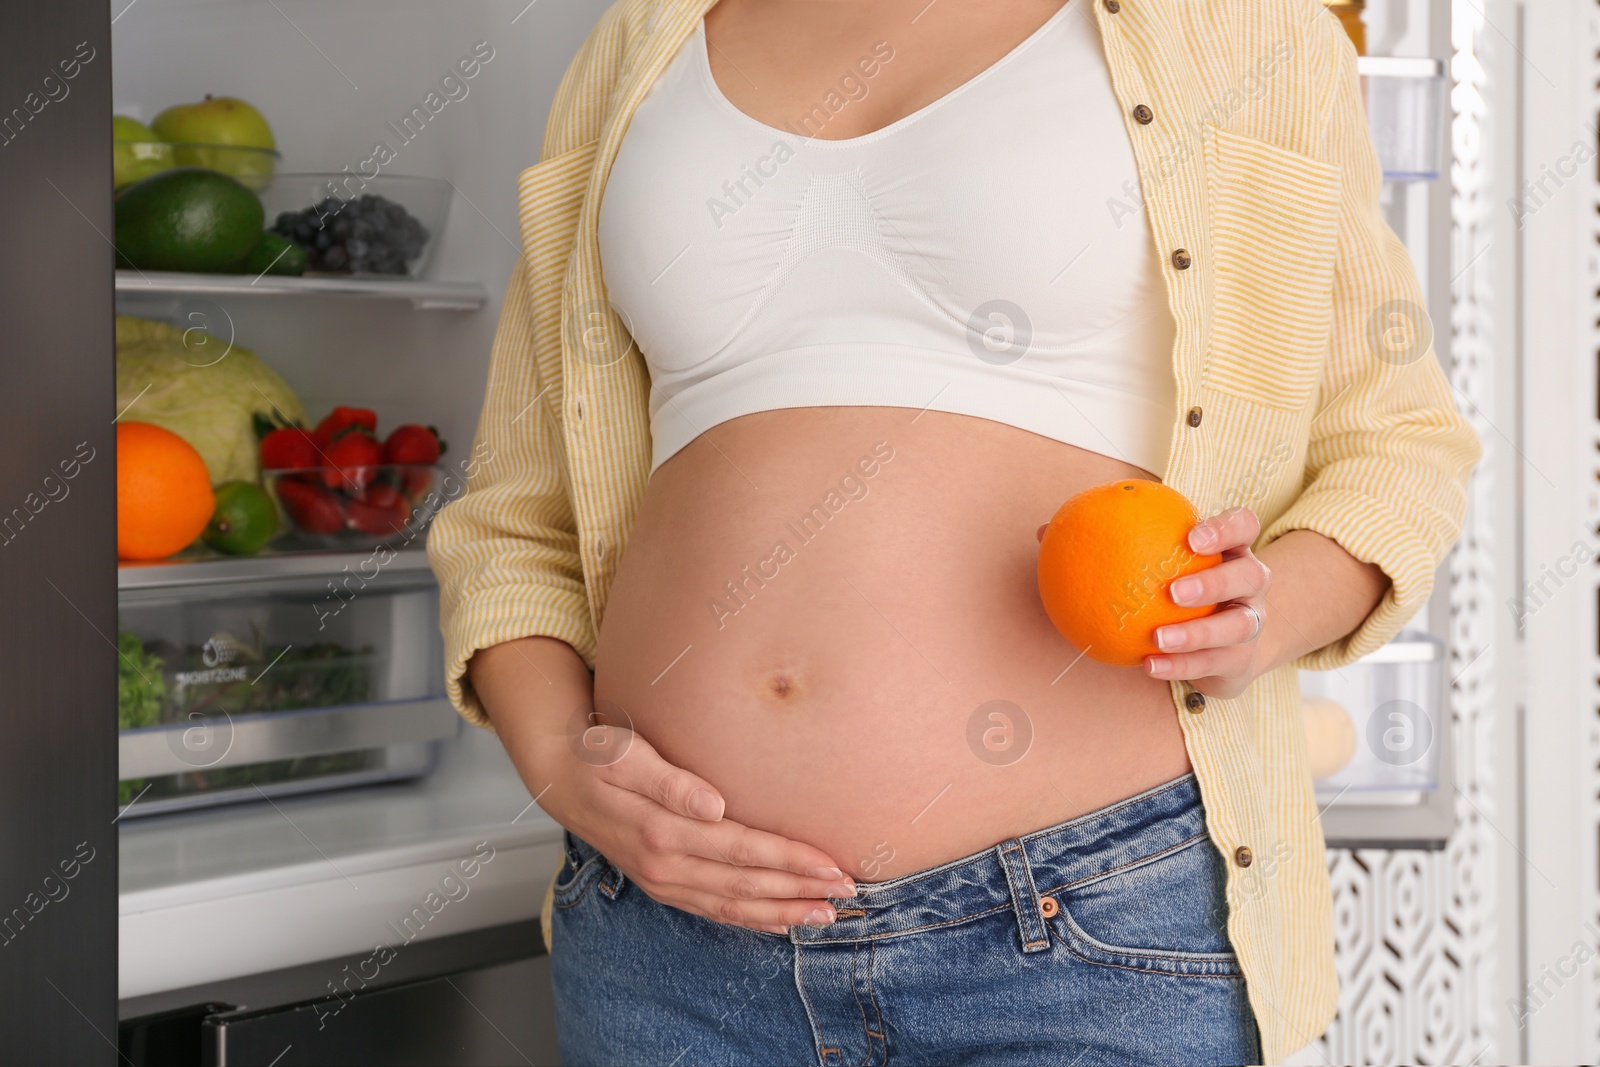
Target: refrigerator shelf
(1400, 66)
(423, 295)
(264, 568)
(182, 747)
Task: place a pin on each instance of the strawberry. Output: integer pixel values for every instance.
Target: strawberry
(413, 444)
(313, 509)
(382, 493)
(378, 520)
(352, 459)
(290, 448)
(342, 418)
(417, 447)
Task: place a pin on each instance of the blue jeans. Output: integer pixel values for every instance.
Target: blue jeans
(1099, 941)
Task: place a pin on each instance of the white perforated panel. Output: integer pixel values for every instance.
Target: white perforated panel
(1416, 946)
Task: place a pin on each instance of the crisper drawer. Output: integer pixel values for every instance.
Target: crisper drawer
(273, 675)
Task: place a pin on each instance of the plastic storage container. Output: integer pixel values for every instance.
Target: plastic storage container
(1406, 109)
(1394, 700)
(278, 674)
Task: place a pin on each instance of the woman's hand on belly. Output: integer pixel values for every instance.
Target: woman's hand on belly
(663, 827)
(659, 824)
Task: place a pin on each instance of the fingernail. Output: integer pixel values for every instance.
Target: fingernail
(782, 931)
(827, 874)
(1185, 590)
(1159, 667)
(843, 889)
(820, 917)
(1201, 538)
(1169, 638)
(704, 805)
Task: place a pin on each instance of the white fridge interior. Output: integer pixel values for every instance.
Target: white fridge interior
(226, 893)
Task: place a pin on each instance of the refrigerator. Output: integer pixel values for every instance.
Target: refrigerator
(287, 848)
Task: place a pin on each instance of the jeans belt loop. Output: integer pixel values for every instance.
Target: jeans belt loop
(612, 881)
(1024, 896)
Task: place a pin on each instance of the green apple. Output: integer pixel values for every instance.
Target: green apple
(204, 131)
(136, 151)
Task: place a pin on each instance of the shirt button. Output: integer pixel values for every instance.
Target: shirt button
(1143, 115)
(1180, 258)
(1243, 856)
(1194, 420)
(1195, 702)
(1113, 7)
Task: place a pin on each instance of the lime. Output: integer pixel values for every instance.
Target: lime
(274, 254)
(187, 218)
(245, 519)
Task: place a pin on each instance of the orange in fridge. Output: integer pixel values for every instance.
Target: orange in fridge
(164, 496)
(1106, 561)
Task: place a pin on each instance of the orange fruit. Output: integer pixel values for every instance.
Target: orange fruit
(164, 496)
(1105, 564)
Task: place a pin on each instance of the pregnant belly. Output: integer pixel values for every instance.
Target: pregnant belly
(831, 614)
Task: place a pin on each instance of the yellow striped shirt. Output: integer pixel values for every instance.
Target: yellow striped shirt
(1307, 391)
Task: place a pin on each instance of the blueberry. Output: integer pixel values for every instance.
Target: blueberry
(336, 257)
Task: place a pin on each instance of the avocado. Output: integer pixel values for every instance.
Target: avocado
(188, 219)
(273, 254)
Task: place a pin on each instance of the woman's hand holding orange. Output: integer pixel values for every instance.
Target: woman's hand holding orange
(1222, 653)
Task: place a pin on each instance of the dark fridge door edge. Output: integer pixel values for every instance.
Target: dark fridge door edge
(58, 660)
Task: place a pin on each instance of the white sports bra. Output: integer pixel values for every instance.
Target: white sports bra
(985, 255)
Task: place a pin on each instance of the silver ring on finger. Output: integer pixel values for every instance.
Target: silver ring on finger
(1256, 616)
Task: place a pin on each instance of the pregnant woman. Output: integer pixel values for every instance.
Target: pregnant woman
(822, 309)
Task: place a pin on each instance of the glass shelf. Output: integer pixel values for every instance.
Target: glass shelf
(266, 567)
(423, 295)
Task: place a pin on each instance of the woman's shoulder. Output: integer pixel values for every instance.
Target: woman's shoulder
(1264, 67)
(583, 99)
(1228, 36)
(1247, 17)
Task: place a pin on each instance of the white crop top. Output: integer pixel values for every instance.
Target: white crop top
(985, 255)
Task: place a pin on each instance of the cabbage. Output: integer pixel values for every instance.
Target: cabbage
(182, 381)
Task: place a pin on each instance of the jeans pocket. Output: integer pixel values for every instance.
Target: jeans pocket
(1166, 914)
(582, 869)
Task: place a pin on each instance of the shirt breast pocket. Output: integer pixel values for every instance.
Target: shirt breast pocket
(1274, 235)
